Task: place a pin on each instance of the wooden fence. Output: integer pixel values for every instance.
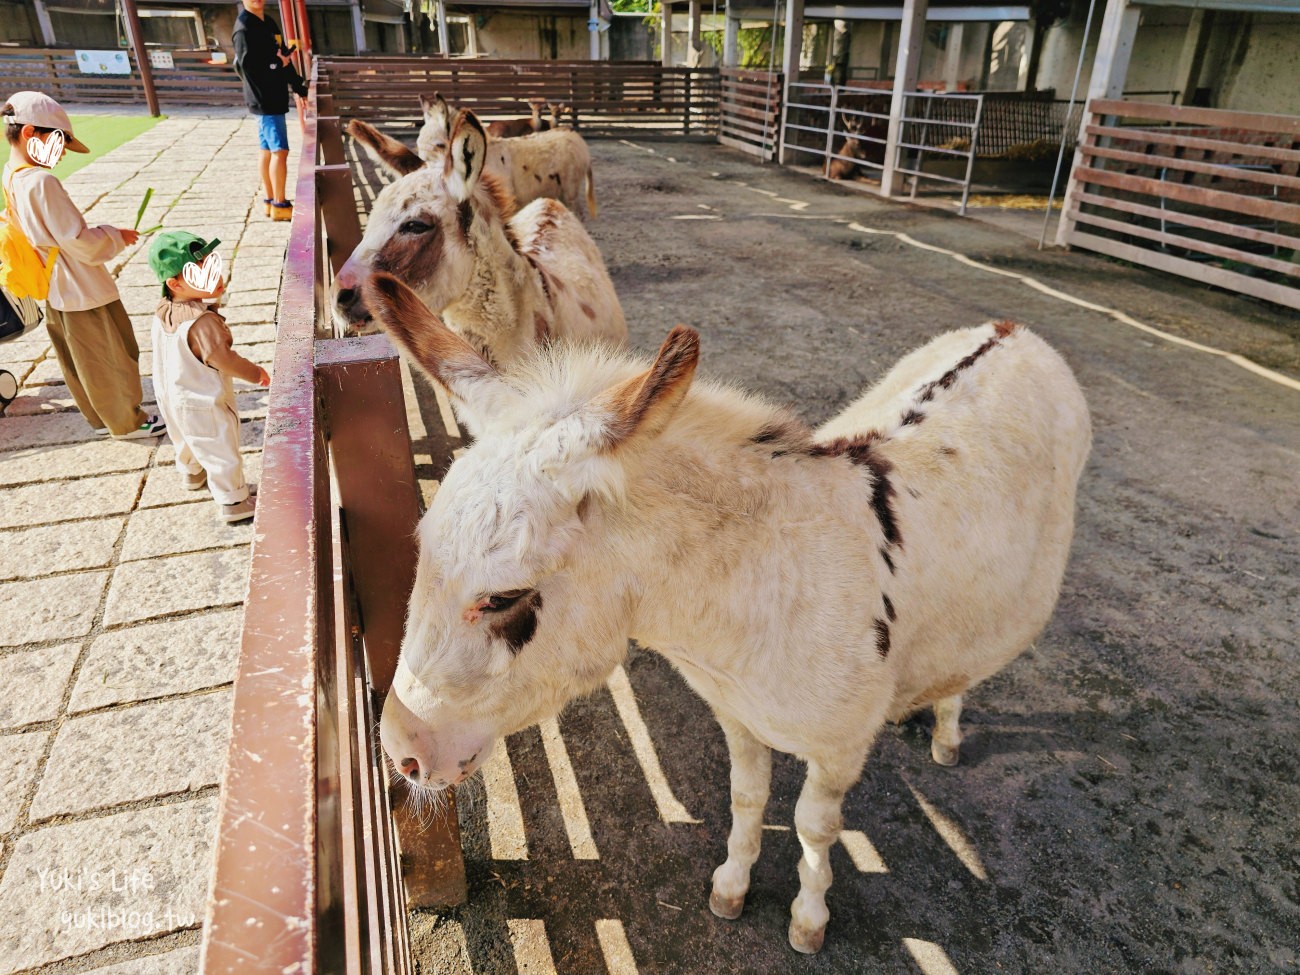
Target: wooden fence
(750, 111)
(1209, 194)
(603, 97)
(315, 867)
(193, 81)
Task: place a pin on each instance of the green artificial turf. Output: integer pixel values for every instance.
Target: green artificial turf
(100, 133)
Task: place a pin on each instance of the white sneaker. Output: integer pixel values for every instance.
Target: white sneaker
(154, 426)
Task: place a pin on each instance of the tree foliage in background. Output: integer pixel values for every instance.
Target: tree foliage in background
(757, 45)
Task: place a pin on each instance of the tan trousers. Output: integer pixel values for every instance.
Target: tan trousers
(99, 356)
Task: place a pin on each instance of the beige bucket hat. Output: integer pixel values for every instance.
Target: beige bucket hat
(39, 109)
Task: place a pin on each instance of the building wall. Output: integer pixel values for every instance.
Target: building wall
(530, 36)
(1268, 79)
(1156, 53)
(1251, 62)
(867, 60)
(18, 24)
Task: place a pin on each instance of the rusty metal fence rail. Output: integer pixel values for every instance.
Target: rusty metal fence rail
(1206, 193)
(308, 872)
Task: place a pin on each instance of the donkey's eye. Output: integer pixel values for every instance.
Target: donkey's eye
(504, 600)
(415, 227)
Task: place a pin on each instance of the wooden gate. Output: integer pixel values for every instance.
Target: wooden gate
(1209, 194)
(750, 113)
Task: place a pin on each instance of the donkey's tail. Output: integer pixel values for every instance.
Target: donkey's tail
(592, 210)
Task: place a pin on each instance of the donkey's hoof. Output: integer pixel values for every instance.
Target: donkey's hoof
(805, 940)
(728, 908)
(945, 754)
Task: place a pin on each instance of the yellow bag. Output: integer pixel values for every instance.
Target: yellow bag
(22, 271)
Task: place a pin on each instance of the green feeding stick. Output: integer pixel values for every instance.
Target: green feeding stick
(148, 195)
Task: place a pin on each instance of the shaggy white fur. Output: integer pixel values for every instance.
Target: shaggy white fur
(808, 586)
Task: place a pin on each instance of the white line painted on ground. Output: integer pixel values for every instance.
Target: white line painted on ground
(929, 957)
(670, 809)
(613, 945)
(566, 789)
(531, 946)
(505, 817)
(1114, 313)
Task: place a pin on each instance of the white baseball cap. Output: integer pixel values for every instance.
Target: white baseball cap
(39, 109)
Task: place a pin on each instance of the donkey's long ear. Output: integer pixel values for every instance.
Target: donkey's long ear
(466, 156)
(436, 109)
(643, 405)
(384, 150)
(472, 381)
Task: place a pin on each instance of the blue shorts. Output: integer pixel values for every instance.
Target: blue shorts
(272, 133)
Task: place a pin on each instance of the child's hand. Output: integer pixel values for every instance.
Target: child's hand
(263, 377)
(129, 237)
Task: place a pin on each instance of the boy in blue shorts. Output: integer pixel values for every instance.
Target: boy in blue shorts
(263, 65)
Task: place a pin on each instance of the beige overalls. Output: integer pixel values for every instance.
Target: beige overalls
(198, 403)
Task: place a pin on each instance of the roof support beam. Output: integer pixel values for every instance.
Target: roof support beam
(142, 61)
(910, 40)
(47, 27)
(1109, 69)
(790, 58)
(666, 31)
(731, 40)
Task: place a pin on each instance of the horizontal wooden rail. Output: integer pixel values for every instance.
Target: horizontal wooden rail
(601, 97)
(1181, 140)
(1221, 170)
(194, 79)
(1191, 220)
(1188, 115)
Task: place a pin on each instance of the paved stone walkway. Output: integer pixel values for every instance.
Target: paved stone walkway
(120, 602)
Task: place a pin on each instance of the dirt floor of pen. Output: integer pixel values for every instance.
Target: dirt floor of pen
(1127, 792)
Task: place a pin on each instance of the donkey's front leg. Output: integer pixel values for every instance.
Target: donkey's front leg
(817, 820)
(751, 780)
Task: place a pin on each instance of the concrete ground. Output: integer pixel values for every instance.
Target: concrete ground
(1127, 794)
(120, 601)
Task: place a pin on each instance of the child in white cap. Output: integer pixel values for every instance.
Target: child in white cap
(88, 327)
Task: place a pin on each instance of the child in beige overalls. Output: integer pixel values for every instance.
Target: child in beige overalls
(193, 364)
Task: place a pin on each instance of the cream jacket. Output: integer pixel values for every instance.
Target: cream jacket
(49, 218)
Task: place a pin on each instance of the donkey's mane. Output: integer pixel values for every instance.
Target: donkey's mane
(562, 378)
(500, 198)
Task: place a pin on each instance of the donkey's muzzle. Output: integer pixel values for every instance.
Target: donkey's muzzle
(349, 306)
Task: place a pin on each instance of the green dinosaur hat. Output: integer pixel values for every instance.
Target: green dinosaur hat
(171, 250)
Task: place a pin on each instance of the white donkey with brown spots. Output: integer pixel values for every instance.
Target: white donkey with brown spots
(809, 586)
(506, 281)
(554, 163)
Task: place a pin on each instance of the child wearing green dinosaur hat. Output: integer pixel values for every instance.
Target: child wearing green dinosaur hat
(193, 364)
